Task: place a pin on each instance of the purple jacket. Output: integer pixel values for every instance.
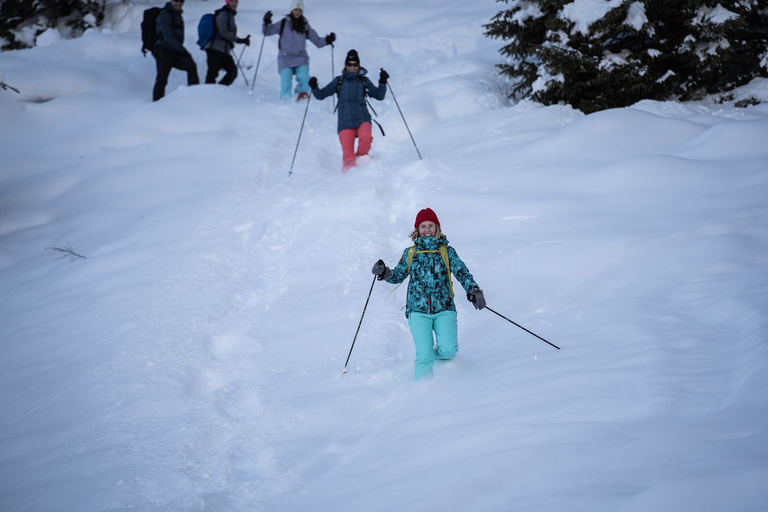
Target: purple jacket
(293, 52)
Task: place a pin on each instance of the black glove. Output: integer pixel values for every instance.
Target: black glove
(313, 83)
(330, 38)
(268, 17)
(477, 299)
(244, 40)
(383, 76)
(380, 269)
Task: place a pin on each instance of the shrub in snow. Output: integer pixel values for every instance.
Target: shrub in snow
(24, 20)
(598, 54)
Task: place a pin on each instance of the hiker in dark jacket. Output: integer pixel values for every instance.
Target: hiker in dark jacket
(219, 48)
(353, 86)
(429, 305)
(293, 59)
(169, 51)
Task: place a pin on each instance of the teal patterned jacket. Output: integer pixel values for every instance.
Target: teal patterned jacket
(428, 289)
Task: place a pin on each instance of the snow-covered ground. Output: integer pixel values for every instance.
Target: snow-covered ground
(191, 359)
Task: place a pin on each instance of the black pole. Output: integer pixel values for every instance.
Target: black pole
(333, 70)
(300, 132)
(242, 71)
(5, 86)
(523, 328)
(404, 121)
(256, 72)
(344, 370)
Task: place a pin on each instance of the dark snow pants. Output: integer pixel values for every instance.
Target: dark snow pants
(216, 61)
(168, 59)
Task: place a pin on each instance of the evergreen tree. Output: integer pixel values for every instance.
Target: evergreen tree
(633, 50)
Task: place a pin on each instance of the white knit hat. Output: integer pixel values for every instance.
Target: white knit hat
(297, 4)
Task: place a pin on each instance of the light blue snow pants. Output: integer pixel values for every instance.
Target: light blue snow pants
(286, 81)
(446, 337)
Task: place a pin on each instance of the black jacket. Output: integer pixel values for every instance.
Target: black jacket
(170, 29)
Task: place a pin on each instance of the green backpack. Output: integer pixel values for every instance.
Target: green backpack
(444, 253)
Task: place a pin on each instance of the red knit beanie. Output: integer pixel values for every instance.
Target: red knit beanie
(424, 215)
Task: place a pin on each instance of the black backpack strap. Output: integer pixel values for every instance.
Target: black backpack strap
(371, 107)
(216, 33)
(280, 40)
(215, 23)
(365, 95)
(338, 90)
(380, 128)
(365, 92)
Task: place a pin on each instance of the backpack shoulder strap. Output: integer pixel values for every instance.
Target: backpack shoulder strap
(444, 254)
(341, 79)
(338, 90)
(411, 251)
(215, 24)
(280, 40)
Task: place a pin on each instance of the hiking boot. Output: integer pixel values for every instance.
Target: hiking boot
(303, 96)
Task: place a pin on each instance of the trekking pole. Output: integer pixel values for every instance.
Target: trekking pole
(404, 121)
(523, 328)
(344, 370)
(300, 132)
(242, 71)
(4, 86)
(256, 72)
(333, 70)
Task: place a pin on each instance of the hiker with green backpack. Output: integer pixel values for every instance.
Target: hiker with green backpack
(353, 87)
(429, 304)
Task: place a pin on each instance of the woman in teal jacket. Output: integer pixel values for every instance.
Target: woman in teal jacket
(429, 304)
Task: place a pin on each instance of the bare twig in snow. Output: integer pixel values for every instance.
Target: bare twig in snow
(67, 252)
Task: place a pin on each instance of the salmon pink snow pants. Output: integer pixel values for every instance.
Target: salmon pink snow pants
(347, 139)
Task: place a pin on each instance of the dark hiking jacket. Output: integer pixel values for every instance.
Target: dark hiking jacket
(170, 29)
(352, 109)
